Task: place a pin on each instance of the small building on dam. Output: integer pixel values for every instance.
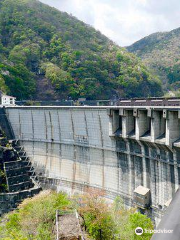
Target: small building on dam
(6, 100)
(128, 151)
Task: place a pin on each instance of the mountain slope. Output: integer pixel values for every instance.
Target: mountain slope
(48, 54)
(161, 52)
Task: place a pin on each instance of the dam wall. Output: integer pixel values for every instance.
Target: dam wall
(116, 149)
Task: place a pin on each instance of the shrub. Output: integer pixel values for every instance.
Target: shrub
(35, 218)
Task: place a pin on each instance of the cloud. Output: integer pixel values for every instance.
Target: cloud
(124, 21)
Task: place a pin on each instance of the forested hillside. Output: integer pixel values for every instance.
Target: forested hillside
(48, 54)
(161, 52)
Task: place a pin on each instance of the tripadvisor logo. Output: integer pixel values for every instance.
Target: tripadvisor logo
(139, 231)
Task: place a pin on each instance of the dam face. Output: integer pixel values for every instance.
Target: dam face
(129, 152)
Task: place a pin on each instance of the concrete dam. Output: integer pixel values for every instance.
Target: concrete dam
(131, 152)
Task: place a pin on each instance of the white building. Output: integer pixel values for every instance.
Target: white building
(7, 100)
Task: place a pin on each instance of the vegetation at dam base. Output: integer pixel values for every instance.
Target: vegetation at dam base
(35, 218)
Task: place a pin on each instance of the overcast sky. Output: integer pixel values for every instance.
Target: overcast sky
(124, 21)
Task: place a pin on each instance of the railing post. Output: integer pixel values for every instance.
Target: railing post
(57, 225)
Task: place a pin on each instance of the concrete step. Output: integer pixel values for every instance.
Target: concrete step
(24, 158)
(15, 164)
(25, 194)
(17, 171)
(18, 179)
(18, 148)
(32, 172)
(14, 142)
(10, 201)
(21, 186)
(22, 153)
(35, 191)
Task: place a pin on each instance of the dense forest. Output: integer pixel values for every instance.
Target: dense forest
(161, 52)
(48, 54)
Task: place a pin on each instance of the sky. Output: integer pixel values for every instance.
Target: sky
(124, 21)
